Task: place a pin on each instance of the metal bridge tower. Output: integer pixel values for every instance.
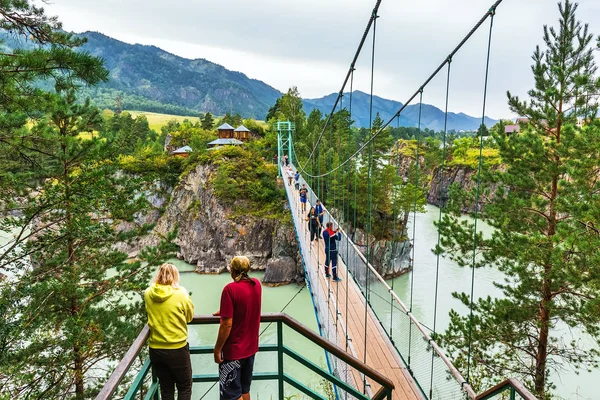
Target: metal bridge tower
(284, 141)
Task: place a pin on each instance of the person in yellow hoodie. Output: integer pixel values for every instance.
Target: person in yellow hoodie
(170, 308)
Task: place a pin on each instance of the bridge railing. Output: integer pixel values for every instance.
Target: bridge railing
(326, 310)
(146, 384)
(432, 370)
(434, 374)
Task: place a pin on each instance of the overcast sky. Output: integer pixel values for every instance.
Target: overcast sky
(310, 43)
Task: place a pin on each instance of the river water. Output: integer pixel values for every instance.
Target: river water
(206, 290)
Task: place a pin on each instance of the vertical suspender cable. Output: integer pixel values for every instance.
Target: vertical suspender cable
(414, 227)
(348, 176)
(481, 130)
(394, 238)
(437, 265)
(370, 207)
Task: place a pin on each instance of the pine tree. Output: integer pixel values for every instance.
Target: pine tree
(72, 301)
(80, 303)
(546, 215)
(208, 122)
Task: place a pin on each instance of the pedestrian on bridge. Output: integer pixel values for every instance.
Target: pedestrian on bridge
(237, 341)
(297, 179)
(290, 176)
(313, 224)
(320, 212)
(170, 309)
(303, 197)
(331, 238)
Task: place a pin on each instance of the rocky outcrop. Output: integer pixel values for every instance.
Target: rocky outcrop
(391, 259)
(209, 235)
(439, 190)
(463, 176)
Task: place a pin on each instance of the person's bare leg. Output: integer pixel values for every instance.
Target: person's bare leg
(245, 396)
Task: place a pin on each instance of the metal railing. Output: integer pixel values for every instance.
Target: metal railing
(330, 320)
(511, 387)
(433, 372)
(284, 355)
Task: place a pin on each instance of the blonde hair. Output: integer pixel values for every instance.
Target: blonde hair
(167, 274)
(240, 266)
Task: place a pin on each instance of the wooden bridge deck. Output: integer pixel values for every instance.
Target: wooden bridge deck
(380, 353)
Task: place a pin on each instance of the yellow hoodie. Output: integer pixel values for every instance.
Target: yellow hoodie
(169, 310)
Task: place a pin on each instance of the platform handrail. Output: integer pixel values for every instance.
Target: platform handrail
(511, 384)
(121, 370)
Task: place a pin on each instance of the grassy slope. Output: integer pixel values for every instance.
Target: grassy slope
(157, 121)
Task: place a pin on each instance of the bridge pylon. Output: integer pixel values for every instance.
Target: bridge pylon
(284, 141)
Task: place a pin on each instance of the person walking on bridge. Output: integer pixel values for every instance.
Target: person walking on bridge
(297, 179)
(313, 224)
(237, 341)
(170, 309)
(320, 212)
(290, 176)
(331, 238)
(303, 197)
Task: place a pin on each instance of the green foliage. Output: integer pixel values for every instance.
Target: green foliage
(151, 163)
(545, 212)
(246, 183)
(255, 127)
(72, 301)
(465, 152)
(208, 122)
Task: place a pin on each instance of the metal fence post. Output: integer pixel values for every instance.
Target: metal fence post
(155, 379)
(280, 358)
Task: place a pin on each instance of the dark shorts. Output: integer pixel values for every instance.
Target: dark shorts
(235, 378)
(303, 199)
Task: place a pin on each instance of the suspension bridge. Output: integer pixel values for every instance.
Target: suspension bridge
(374, 346)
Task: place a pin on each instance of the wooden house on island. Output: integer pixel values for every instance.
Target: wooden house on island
(224, 142)
(241, 133)
(182, 152)
(226, 131)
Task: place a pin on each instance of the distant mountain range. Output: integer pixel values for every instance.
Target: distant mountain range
(147, 78)
(431, 116)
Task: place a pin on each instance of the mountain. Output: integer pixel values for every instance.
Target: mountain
(150, 79)
(431, 116)
(200, 85)
(147, 78)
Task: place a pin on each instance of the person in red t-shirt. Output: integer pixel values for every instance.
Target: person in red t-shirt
(237, 342)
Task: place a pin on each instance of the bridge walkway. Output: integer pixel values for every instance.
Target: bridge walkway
(349, 321)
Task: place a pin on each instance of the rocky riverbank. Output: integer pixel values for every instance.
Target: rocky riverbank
(209, 234)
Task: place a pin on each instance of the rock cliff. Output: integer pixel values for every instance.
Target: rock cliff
(389, 260)
(210, 235)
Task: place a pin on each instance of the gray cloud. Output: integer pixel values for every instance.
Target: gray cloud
(286, 37)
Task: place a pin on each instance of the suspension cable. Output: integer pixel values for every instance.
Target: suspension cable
(411, 98)
(348, 178)
(414, 230)
(441, 194)
(485, 90)
(352, 64)
(370, 208)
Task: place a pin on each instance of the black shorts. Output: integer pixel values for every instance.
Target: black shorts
(235, 378)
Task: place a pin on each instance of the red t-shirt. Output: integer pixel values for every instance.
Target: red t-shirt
(241, 301)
